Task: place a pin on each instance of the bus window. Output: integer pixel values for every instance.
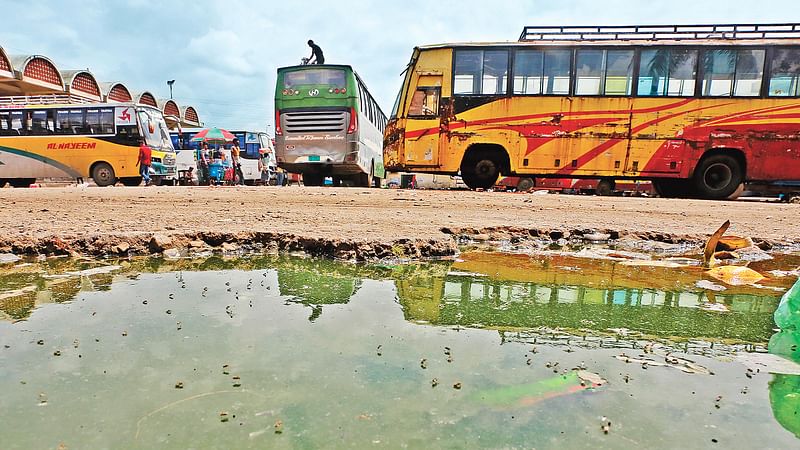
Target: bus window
(38, 124)
(6, 128)
(784, 76)
(528, 66)
(425, 102)
(93, 121)
(76, 121)
(731, 72)
(667, 72)
(481, 72)
(106, 121)
(603, 72)
(556, 71)
(749, 72)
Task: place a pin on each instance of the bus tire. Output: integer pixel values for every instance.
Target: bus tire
(717, 176)
(103, 174)
(605, 187)
(312, 179)
(131, 181)
(21, 182)
(525, 184)
(3, 182)
(482, 165)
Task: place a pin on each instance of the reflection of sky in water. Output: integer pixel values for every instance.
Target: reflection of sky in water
(326, 382)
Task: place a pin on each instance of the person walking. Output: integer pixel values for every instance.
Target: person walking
(144, 162)
(237, 166)
(316, 54)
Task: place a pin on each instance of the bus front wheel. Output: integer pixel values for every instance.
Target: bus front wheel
(482, 174)
(103, 174)
(717, 176)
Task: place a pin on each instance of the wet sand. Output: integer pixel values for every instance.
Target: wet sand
(355, 223)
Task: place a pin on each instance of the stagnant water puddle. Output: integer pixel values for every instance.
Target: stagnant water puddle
(490, 350)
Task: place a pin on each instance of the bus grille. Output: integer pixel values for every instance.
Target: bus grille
(315, 121)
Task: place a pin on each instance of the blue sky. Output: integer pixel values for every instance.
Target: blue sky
(224, 53)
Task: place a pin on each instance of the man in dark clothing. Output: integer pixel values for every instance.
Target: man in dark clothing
(316, 54)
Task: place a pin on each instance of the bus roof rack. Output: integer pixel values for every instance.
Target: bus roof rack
(45, 99)
(661, 32)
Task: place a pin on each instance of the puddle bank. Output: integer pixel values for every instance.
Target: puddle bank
(487, 351)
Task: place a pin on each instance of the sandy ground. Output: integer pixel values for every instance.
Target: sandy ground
(374, 215)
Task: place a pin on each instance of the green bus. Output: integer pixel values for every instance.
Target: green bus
(328, 125)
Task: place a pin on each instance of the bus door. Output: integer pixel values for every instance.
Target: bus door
(422, 127)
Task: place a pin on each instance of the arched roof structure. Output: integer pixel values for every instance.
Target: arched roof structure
(115, 92)
(189, 116)
(82, 83)
(6, 70)
(146, 98)
(171, 111)
(38, 70)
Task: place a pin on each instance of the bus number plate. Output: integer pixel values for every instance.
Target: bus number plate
(313, 158)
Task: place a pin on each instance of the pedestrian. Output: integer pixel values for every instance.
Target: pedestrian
(316, 54)
(202, 164)
(237, 166)
(144, 161)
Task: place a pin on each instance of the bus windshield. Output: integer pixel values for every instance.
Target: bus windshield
(328, 77)
(154, 129)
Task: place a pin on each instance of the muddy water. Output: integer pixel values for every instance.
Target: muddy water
(303, 353)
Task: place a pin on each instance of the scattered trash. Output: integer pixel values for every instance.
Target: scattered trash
(735, 275)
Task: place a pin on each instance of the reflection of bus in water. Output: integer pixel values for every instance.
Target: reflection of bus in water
(100, 141)
(577, 185)
(253, 145)
(581, 293)
(328, 125)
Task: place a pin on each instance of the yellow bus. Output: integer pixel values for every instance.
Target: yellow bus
(81, 141)
(698, 110)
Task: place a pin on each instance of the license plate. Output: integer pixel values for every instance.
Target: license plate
(313, 158)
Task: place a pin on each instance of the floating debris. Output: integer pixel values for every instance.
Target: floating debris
(278, 426)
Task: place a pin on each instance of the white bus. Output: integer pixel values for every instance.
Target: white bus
(253, 145)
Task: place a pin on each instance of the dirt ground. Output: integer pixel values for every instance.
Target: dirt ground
(366, 215)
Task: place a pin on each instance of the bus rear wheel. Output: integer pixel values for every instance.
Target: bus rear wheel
(605, 187)
(131, 181)
(21, 182)
(717, 177)
(103, 174)
(525, 184)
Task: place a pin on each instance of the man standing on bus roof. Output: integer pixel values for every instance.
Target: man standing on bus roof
(144, 162)
(316, 54)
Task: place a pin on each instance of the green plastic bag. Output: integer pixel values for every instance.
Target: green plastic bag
(787, 316)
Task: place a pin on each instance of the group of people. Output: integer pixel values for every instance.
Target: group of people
(212, 165)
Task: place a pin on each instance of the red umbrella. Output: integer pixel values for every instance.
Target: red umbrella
(214, 136)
